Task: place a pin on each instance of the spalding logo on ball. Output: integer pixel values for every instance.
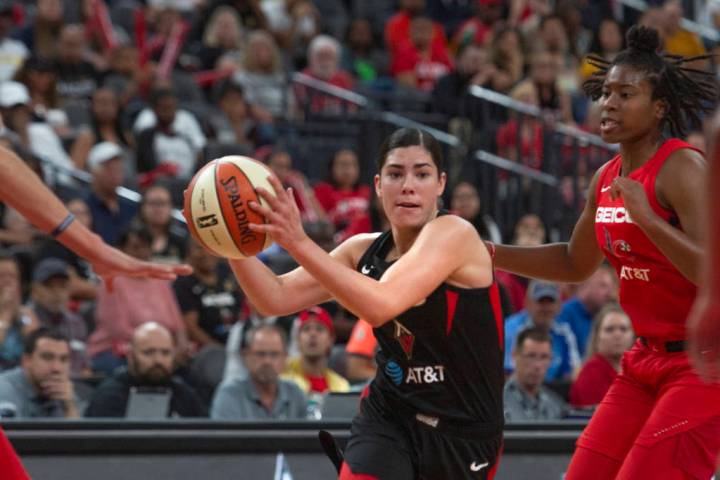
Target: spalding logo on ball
(216, 205)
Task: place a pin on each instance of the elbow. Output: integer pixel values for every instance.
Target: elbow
(378, 316)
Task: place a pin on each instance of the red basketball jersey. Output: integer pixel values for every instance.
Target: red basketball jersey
(655, 295)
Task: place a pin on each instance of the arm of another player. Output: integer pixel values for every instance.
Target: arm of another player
(704, 320)
(22, 189)
(443, 246)
(569, 262)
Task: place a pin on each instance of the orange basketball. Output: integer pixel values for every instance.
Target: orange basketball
(216, 204)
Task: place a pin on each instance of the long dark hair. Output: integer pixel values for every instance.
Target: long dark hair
(411, 137)
(688, 92)
(331, 166)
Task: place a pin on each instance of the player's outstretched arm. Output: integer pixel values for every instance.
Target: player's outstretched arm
(569, 262)
(24, 191)
(704, 320)
(444, 245)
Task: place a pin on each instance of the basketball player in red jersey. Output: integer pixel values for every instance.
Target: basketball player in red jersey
(704, 322)
(22, 190)
(434, 408)
(658, 420)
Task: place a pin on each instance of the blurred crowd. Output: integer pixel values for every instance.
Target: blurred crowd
(98, 96)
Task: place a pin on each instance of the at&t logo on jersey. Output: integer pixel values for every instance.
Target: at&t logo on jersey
(632, 273)
(612, 215)
(421, 375)
(395, 372)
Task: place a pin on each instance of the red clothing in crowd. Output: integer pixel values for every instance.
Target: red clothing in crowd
(10, 466)
(318, 384)
(343, 206)
(427, 70)
(592, 382)
(397, 31)
(324, 103)
(531, 146)
(473, 31)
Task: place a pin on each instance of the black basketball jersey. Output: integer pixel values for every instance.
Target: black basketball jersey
(443, 357)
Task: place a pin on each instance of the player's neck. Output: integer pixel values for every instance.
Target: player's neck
(636, 153)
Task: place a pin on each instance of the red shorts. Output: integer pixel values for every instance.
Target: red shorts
(658, 396)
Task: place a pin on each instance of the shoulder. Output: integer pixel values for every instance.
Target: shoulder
(232, 386)
(355, 246)
(292, 390)
(682, 160)
(451, 228)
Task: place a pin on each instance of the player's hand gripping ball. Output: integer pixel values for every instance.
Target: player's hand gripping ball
(216, 206)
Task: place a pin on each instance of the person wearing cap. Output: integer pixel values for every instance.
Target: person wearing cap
(35, 134)
(111, 214)
(542, 307)
(49, 299)
(525, 398)
(310, 370)
(12, 52)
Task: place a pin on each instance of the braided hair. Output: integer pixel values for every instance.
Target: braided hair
(688, 92)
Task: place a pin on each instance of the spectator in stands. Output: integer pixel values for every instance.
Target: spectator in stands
(465, 202)
(150, 365)
(210, 299)
(553, 38)
(611, 336)
(251, 14)
(17, 232)
(474, 67)
(77, 78)
(12, 52)
(263, 395)
(478, 30)
(41, 386)
(360, 350)
(35, 135)
(132, 302)
(307, 22)
(16, 321)
(280, 162)
(522, 129)
(679, 41)
(607, 41)
(342, 196)
(105, 126)
(324, 64)
(418, 62)
(544, 77)
(508, 54)
(263, 78)
(578, 36)
(397, 29)
(41, 35)
(527, 15)
(697, 139)
(170, 237)
(49, 299)
(39, 75)
(591, 296)
(233, 123)
(525, 398)
(111, 213)
(541, 309)
(309, 370)
(172, 139)
(223, 36)
(362, 57)
(127, 77)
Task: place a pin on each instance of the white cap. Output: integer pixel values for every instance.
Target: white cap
(13, 93)
(101, 153)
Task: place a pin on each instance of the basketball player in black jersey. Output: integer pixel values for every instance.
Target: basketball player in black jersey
(434, 409)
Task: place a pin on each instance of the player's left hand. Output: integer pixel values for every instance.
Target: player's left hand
(281, 214)
(111, 262)
(635, 199)
(704, 337)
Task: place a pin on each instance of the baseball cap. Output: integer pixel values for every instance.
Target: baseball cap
(50, 268)
(12, 94)
(541, 290)
(317, 314)
(101, 153)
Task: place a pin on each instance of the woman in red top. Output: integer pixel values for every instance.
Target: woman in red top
(343, 197)
(658, 420)
(611, 336)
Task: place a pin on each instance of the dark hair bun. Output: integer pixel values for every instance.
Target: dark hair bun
(644, 39)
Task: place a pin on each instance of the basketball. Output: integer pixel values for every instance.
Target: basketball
(216, 206)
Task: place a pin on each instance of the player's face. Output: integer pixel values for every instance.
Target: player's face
(314, 340)
(615, 335)
(409, 185)
(628, 111)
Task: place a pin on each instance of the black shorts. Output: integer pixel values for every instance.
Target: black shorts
(390, 446)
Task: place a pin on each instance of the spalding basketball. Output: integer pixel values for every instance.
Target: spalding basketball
(216, 206)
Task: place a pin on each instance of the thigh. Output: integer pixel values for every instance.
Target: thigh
(612, 430)
(378, 449)
(443, 456)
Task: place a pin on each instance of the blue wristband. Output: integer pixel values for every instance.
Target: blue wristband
(63, 225)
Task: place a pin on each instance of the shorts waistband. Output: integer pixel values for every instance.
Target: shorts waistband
(657, 345)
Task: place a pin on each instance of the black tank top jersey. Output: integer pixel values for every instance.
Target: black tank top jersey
(443, 357)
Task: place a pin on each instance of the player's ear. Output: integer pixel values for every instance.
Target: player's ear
(442, 181)
(378, 187)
